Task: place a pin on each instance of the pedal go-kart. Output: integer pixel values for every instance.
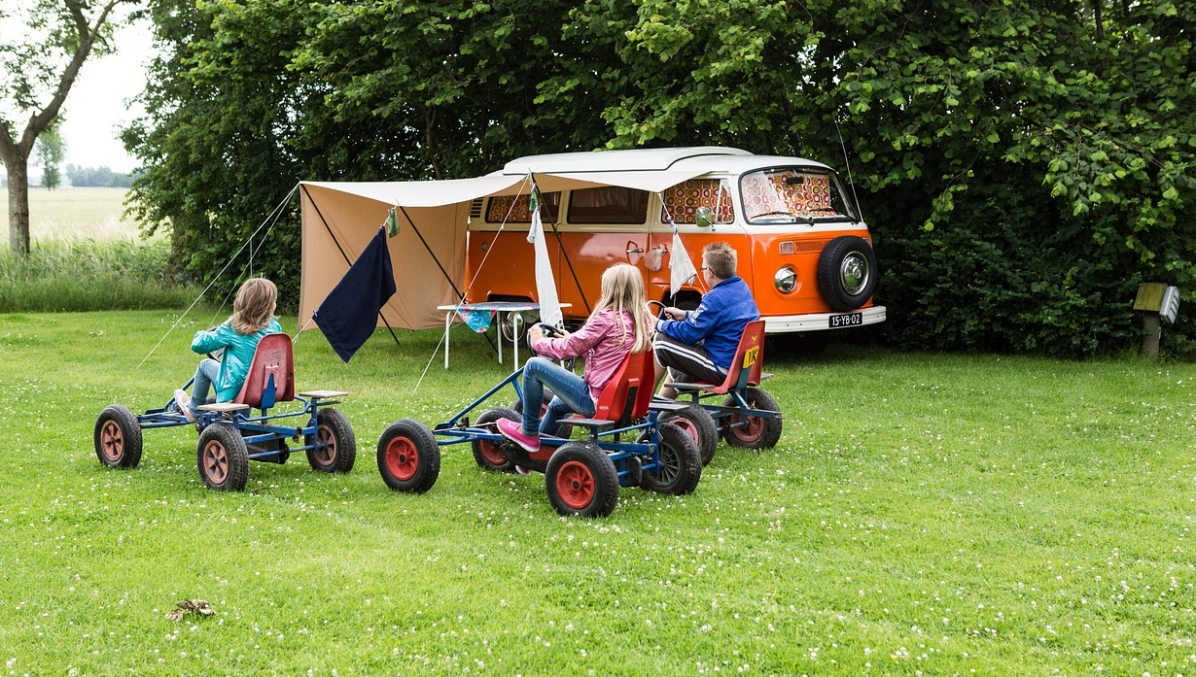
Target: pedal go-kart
(230, 435)
(747, 417)
(625, 445)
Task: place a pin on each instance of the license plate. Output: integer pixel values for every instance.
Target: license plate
(850, 320)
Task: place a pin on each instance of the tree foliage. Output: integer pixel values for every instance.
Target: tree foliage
(97, 177)
(50, 151)
(1023, 165)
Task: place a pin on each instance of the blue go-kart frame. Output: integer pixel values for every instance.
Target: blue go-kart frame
(231, 435)
(626, 444)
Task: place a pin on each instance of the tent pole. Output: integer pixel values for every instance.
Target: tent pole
(460, 296)
(572, 272)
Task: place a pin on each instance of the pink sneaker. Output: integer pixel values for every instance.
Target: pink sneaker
(182, 402)
(513, 431)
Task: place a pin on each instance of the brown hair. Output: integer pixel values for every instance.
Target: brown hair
(623, 289)
(254, 306)
(721, 259)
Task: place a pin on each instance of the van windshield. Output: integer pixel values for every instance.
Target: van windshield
(792, 194)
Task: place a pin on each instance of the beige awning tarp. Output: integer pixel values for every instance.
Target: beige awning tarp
(653, 182)
(428, 254)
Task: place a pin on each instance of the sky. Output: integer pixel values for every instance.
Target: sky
(100, 102)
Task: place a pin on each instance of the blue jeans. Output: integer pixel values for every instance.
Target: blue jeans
(205, 376)
(572, 395)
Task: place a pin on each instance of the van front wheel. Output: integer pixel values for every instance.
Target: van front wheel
(847, 272)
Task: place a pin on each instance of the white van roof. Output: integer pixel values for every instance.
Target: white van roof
(696, 159)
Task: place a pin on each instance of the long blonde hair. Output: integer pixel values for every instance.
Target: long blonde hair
(254, 306)
(623, 289)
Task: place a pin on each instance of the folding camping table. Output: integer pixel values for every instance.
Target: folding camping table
(512, 308)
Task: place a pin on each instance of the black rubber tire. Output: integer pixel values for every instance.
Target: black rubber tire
(337, 450)
(681, 461)
(582, 480)
(408, 457)
(757, 432)
(699, 425)
(847, 272)
(222, 458)
(490, 455)
(117, 437)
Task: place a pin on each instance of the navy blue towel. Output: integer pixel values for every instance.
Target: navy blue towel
(349, 313)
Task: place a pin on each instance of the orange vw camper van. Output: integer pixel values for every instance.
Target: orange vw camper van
(803, 247)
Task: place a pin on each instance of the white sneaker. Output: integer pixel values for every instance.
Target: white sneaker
(182, 402)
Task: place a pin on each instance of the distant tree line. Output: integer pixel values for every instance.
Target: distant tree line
(97, 177)
(1023, 165)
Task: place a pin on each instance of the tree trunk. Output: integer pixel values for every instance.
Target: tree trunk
(18, 207)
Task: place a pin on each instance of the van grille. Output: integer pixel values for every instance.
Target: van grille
(475, 208)
(792, 247)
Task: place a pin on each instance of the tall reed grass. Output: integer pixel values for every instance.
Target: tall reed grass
(89, 274)
(85, 256)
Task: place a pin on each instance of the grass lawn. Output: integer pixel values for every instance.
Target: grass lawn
(922, 515)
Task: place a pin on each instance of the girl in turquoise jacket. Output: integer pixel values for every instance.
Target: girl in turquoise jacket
(237, 337)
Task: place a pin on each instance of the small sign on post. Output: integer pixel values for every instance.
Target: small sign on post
(1155, 301)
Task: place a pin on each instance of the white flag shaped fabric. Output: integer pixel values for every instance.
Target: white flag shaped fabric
(550, 305)
(681, 268)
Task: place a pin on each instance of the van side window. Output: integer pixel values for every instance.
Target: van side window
(517, 208)
(682, 201)
(608, 204)
(789, 192)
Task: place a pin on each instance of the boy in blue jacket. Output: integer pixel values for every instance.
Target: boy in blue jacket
(698, 345)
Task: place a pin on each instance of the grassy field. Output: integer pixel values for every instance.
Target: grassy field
(75, 213)
(922, 515)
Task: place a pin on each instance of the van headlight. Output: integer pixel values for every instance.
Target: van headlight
(785, 280)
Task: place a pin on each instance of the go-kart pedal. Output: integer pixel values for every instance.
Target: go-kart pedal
(182, 404)
(512, 430)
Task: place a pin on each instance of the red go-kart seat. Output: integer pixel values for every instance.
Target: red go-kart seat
(628, 394)
(745, 366)
(271, 377)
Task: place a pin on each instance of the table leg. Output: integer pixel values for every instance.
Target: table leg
(448, 323)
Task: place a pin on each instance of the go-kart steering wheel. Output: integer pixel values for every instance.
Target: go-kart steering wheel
(550, 331)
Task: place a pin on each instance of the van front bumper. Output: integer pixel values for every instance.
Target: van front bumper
(824, 321)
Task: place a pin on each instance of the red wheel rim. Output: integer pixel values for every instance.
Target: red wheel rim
(112, 441)
(492, 453)
(575, 485)
(687, 426)
(402, 459)
(215, 462)
(751, 429)
(325, 451)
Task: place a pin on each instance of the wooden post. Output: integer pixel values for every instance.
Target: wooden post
(1151, 333)
(1149, 302)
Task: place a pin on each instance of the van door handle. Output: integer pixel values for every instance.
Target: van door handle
(633, 248)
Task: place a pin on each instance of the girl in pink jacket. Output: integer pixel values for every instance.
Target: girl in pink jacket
(619, 325)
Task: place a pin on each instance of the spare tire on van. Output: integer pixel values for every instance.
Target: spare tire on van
(847, 272)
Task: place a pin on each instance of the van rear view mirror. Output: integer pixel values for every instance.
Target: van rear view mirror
(703, 217)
